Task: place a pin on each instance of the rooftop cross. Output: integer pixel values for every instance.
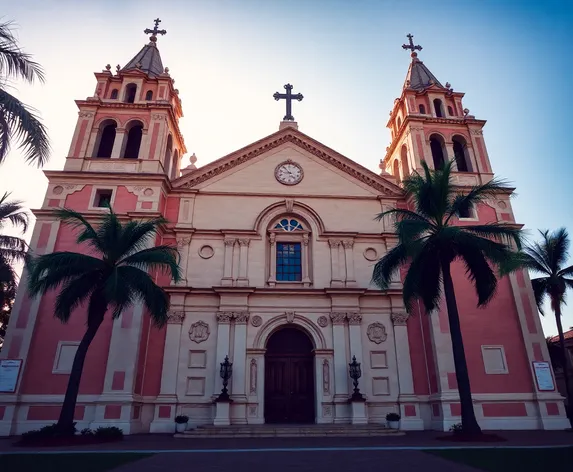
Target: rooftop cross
(289, 97)
(155, 31)
(411, 46)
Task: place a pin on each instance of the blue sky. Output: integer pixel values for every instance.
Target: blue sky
(229, 57)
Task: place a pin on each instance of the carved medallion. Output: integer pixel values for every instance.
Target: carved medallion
(376, 332)
(206, 252)
(256, 321)
(199, 332)
(322, 321)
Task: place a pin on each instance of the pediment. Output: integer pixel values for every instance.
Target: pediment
(304, 145)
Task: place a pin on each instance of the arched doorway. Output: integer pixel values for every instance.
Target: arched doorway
(289, 377)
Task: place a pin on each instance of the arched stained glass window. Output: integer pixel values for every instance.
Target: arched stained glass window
(288, 225)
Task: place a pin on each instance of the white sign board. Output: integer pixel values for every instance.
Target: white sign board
(9, 373)
(543, 376)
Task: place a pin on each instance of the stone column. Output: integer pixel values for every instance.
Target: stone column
(349, 256)
(144, 146)
(340, 367)
(450, 155)
(336, 280)
(223, 343)
(403, 360)
(273, 260)
(354, 322)
(183, 246)
(243, 262)
(238, 391)
(120, 137)
(305, 261)
(169, 372)
(228, 264)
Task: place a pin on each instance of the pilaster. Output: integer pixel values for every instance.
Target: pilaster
(242, 280)
(223, 343)
(227, 279)
(238, 390)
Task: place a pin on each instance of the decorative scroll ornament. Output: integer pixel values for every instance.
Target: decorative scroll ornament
(256, 321)
(175, 317)
(199, 332)
(325, 376)
(338, 317)
(253, 376)
(354, 318)
(290, 316)
(241, 317)
(399, 319)
(322, 321)
(224, 316)
(376, 332)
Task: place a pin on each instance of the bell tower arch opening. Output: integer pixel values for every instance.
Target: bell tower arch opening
(437, 147)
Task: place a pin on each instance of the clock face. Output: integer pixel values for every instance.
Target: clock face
(289, 173)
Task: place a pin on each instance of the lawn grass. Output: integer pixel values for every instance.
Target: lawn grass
(67, 462)
(506, 460)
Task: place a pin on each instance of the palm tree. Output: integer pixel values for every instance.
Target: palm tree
(17, 120)
(430, 240)
(113, 279)
(12, 248)
(548, 258)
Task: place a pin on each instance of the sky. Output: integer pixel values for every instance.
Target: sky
(228, 57)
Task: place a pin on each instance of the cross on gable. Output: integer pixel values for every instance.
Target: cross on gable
(411, 46)
(289, 97)
(155, 31)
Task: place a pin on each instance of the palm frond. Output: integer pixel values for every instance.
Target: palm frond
(58, 268)
(162, 258)
(13, 61)
(568, 271)
(557, 248)
(534, 259)
(479, 273)
(502, 232)
(423, 280)
(12, 211)
(25, 126)
(154, 297)
(386, 267)
(109, 233)
(477, 194)
(76, 220)
(539, 286)
(119, 292)
(74, 293)
(135, 235)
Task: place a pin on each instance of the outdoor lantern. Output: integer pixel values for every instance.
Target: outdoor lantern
(225, 372)
(355, 374)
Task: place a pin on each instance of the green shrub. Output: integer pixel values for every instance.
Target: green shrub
(392, 417)
(180, 419)
(49, 431)
(456, 428)
(87, 432)
(108, 432)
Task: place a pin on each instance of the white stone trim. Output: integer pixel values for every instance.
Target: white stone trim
(95, 188)
(61, 344)
(501, 349)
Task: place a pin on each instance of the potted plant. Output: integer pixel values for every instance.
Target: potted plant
(181, 423)
(393, 420)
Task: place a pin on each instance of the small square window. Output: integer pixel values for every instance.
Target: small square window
(103, 198)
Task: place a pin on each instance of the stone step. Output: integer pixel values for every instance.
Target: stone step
(267, 431)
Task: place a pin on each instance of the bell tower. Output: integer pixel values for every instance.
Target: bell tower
(429, 122)
(131, 123)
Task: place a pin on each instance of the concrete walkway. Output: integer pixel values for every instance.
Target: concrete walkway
(296, 460)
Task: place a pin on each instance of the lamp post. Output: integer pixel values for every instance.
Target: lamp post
(355, 374)
(226, 372)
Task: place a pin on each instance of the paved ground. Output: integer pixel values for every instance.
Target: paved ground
(429, 439)
(299, 461)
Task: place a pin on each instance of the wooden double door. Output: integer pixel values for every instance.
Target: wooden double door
(289, 378)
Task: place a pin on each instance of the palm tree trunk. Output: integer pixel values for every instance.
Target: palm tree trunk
(65, 424)
(565, 358)
(469, 421)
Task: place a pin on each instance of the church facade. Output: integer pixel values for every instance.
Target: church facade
(277, 243)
